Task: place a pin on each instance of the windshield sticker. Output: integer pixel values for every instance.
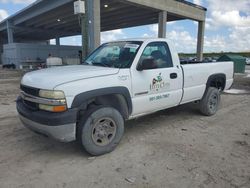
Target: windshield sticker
(158, 84)
(134, 46)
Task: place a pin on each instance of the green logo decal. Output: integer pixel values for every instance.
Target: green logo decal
(158, 83)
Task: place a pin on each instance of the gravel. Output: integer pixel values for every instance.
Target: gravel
(173, 148)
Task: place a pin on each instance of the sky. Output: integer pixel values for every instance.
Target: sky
(227, 27)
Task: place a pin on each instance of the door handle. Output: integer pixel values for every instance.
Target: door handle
(173, 75)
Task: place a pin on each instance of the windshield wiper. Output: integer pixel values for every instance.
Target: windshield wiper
(85, 63)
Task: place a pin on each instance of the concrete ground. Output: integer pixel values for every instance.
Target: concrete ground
(173, 148)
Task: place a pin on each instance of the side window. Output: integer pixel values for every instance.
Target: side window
(156, 55)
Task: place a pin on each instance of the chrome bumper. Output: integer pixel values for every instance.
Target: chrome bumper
(62, 133)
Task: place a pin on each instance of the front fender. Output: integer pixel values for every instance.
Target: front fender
(81, 98)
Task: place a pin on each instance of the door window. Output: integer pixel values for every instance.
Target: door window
(156, 55)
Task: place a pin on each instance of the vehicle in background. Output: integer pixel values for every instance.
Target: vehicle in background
(53, 61)
(248, 61)
(119, 81)
(9, 66)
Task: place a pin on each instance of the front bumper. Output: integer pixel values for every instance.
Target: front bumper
(60, 126)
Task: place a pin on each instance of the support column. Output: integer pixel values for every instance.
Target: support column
(10, 32)
(84, 28)
(162, 24)
(200, 40)
(58, 41)
(1, 51)
(94, 24)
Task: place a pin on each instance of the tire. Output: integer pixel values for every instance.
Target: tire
(100, 130)
(210, 102)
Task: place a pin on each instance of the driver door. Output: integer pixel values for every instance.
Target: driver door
(159, 84)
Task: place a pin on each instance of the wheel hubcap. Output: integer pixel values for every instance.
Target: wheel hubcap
(104, 131)
(213, 102)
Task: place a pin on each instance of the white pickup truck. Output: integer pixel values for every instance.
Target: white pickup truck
(120, 80)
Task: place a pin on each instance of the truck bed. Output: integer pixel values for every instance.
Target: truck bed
(196, 76)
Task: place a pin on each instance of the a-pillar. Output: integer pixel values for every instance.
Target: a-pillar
(162, 24)
(94, 24)
(10, 32)
(200, 40)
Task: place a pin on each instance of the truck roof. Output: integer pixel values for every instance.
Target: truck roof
(141, 39)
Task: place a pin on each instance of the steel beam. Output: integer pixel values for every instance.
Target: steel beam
(58, 13)
(38, 9)
(123, 22)
(51, 22)
(129, 11)
(33, 29)
(174, 7)
(62, 25)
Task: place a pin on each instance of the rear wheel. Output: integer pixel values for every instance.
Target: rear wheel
(210, 102)
(101, 130)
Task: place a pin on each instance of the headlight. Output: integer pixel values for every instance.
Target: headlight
(51, 94)
(57, 101)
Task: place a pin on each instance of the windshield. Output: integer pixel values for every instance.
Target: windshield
(115, 54)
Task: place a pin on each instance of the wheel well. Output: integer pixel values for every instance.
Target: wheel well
(116, 101)
(218, 81)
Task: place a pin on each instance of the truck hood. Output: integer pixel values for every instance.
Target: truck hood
(52, 77)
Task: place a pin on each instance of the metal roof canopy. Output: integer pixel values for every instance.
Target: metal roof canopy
(48, 19)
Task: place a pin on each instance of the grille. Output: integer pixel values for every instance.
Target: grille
(30, 90)
(31, 105)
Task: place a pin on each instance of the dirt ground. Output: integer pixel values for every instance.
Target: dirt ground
(173, 148)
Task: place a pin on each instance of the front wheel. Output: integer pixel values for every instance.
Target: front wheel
(210, 102)
(101, 130)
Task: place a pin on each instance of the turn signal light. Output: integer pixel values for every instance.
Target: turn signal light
(52, 108)
(59, 108)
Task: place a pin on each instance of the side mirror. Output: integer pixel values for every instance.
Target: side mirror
(139, 67)
(146, 64)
